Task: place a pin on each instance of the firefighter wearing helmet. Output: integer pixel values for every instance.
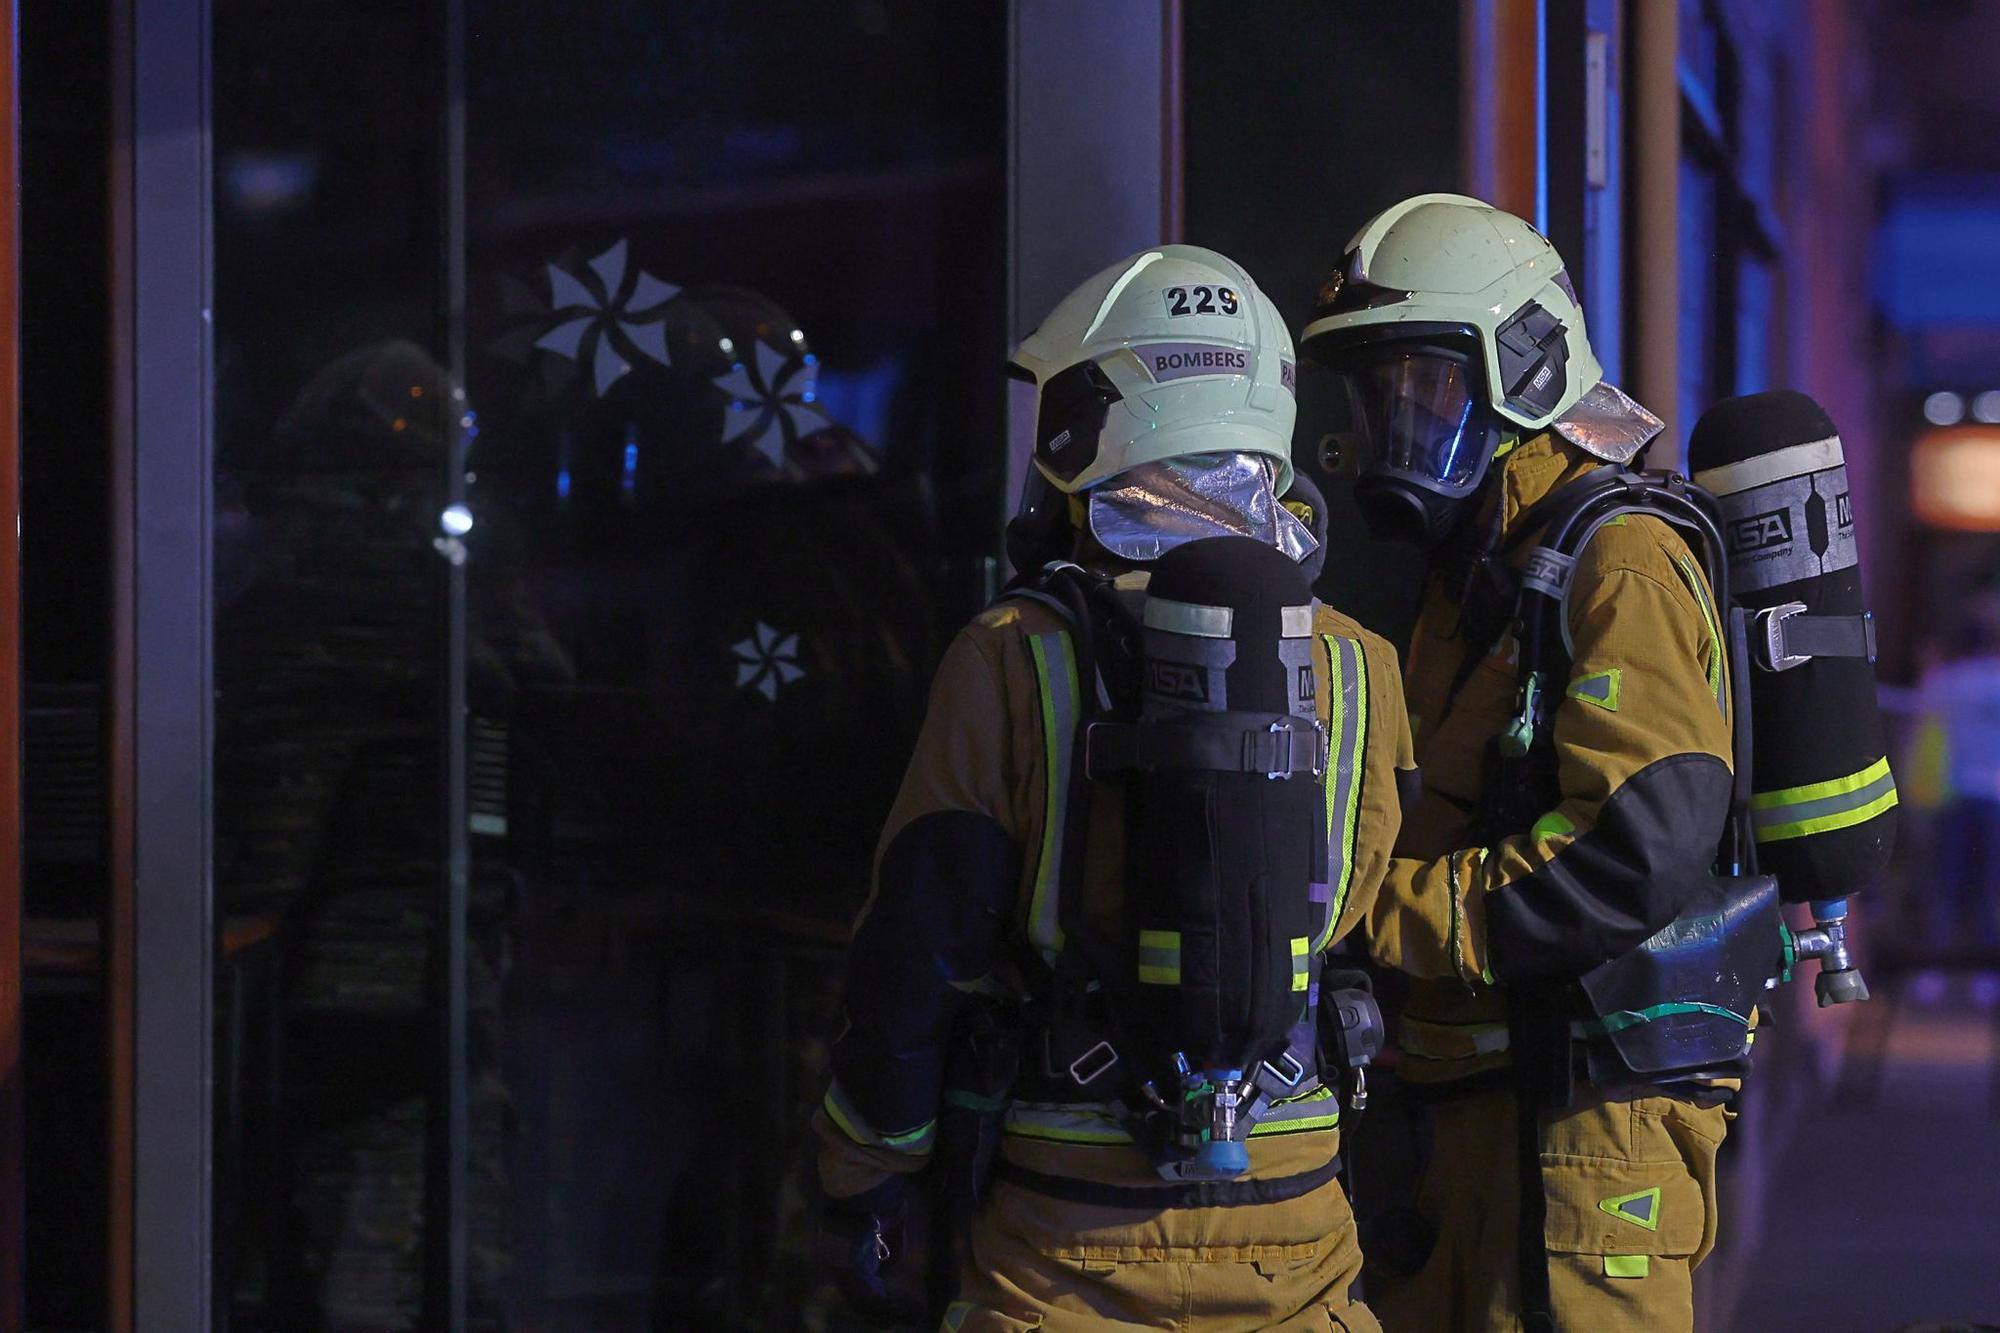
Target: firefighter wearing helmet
(1475, 397)
(1025, 977)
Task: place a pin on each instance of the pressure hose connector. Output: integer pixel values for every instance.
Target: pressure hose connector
(1839, 981)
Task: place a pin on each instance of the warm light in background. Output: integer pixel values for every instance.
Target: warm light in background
(1955, 479)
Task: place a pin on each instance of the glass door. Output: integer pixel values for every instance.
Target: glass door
(607, 433)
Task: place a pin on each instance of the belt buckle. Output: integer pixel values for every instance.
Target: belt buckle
(1110, 1054)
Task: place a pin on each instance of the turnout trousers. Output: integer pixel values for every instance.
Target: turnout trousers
(1631, 1213)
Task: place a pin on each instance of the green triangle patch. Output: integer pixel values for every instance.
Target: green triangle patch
(1600, 688)
(1641, 1209)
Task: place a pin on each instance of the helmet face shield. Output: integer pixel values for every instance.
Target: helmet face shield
(1421, 413)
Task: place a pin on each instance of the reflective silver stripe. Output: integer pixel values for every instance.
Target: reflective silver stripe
(1055, 674)
(1205, 622)
(1795, 461)
(1295, 622)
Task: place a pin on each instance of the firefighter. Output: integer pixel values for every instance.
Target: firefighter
(1164, 405)
(1461, 345)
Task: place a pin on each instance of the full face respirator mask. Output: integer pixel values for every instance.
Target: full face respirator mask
(1423, 430)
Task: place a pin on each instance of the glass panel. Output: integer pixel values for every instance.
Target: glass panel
(329, 653)
(723, 403)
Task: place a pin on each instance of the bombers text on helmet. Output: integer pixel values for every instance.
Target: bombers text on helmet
(1439, 262)
(1170, 353)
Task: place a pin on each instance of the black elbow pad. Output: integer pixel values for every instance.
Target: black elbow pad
(944, 891)
(1646, 859)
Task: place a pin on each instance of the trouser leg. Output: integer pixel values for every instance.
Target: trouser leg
(1620, 1255)
(1036, 1266)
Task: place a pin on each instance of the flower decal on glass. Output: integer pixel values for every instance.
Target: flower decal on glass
(767, 661)
(606, 321)
(771, 396)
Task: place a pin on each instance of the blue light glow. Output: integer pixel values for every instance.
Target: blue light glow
(1938, 254)
(562, 484)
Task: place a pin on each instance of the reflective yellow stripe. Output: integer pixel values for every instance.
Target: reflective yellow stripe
(1800, 828)
(1814, 791)
(1554, 824)
(1347, 746)
(1160, 957)
(1065, 1124)
(1055, 674)
(1821, 807)
(1301, 963)
(1715, 661)
(915, 1142)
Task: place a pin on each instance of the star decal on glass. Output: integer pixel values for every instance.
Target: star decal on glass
(605, 321)
(771, 397)
(767, 661)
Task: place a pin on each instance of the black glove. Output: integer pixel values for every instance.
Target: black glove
(861, 1239)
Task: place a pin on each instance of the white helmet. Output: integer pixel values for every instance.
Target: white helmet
(1170, 353)
(1441, 262)
(1452, 321)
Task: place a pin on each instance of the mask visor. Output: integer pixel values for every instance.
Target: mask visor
(1421, 412)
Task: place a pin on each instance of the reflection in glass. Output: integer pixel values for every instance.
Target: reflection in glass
(727, 430)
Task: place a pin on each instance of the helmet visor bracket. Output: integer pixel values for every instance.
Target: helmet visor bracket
(1075, 403)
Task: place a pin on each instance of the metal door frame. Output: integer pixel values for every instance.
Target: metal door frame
(162, 930)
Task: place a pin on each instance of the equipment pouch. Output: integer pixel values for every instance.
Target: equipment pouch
(1680, 1004)
(1350, 1022)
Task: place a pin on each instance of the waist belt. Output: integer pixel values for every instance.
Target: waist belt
(1097, 1124)
(1154, 1198)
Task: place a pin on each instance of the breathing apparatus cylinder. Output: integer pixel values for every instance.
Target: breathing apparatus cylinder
(1226, 832)
(1823, 799)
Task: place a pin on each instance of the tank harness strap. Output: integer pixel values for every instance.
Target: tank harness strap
(1277, 745)
(1788, 637)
